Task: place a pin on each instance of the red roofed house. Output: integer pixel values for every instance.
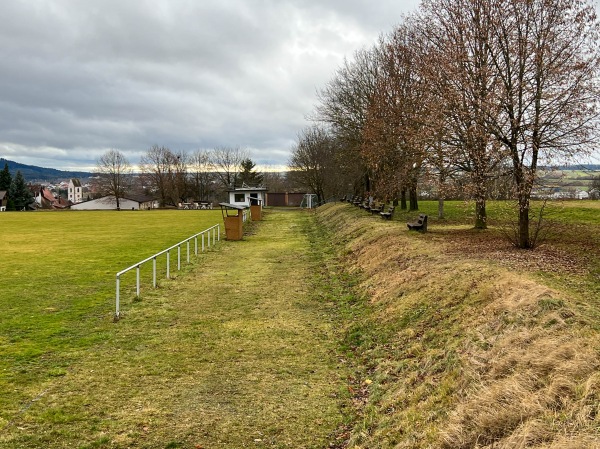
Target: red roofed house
(46, 200)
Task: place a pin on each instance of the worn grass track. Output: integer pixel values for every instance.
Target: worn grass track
(237, 352)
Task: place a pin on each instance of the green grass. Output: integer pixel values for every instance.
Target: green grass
(239, 351)
(315, 329)
(58, 288)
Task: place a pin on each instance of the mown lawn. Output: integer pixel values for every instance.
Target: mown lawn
(239, 351)
(57, 292)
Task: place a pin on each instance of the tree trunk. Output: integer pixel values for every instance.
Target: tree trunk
(441, 208)
(403, 199)
(480, 213)
(523, 237)
(414, 201)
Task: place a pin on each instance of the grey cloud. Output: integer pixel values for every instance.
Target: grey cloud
(83, 76)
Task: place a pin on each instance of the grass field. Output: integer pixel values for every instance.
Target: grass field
(239, 351)
(58, 289)
(329, 329)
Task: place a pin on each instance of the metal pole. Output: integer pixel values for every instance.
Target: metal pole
(196, 245)
(117, 302)
(203, 242)
(137, 276)
(208, 238)
(154, 272)
(188, 251)
(178, 257)
(219, 232)
(168, 264)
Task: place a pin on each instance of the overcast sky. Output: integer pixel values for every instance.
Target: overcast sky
(80, 77)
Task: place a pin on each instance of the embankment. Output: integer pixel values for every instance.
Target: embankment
(458, 351)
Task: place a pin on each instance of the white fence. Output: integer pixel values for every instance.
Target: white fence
(216, 236)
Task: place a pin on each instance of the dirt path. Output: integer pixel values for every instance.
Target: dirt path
(238, 352)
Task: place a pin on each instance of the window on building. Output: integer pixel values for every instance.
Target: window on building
(239, 197)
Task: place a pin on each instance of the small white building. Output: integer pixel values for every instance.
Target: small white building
(110, 203)
(75, 191)
(245, 196)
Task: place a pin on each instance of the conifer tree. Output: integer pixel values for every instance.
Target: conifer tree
(20, 194)
(5, 179)
(247, 174)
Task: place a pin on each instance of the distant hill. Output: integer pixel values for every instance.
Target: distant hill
(32, 173)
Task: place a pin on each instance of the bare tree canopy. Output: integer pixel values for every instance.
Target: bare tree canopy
(114, 175)
(166, 172)
(313, 163)
(470, 88)
(226, 162)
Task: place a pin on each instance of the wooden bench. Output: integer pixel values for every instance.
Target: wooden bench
(377, 209)
(357, 201)
(389, 214)
(365, 205)
(419, 225)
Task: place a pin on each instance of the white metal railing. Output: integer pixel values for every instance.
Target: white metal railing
(216, 236)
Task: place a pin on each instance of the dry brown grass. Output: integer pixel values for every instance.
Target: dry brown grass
(470, 348)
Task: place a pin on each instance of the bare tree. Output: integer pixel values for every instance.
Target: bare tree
(114, 175)
(166, 172)
(156, 166)
(394, 141)
(343, 106)
(462, 76)
(545, 55)
(313, 163)
(200, 175)
(226, 163)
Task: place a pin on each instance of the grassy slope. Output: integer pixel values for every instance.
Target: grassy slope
(240, 351)
(464, 343)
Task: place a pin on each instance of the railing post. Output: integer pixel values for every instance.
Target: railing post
(168, 264)
(117, 302)
(178, 257)
(219, 233)
(196, 245)
(203, 242)
(137, 278)
(154, 272)
(208, 238)
(188, 251)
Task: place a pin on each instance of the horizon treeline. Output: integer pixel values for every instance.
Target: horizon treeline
(178, 176)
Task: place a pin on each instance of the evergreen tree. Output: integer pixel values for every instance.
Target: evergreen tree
(5, 179)
(20, 193)
(247, 174)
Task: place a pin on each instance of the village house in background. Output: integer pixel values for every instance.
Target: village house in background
(75, 191)
(129, 202)
(45, 199)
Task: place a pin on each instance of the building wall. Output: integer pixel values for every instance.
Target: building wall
(284, 199)
(246, 193)
(107, 203)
